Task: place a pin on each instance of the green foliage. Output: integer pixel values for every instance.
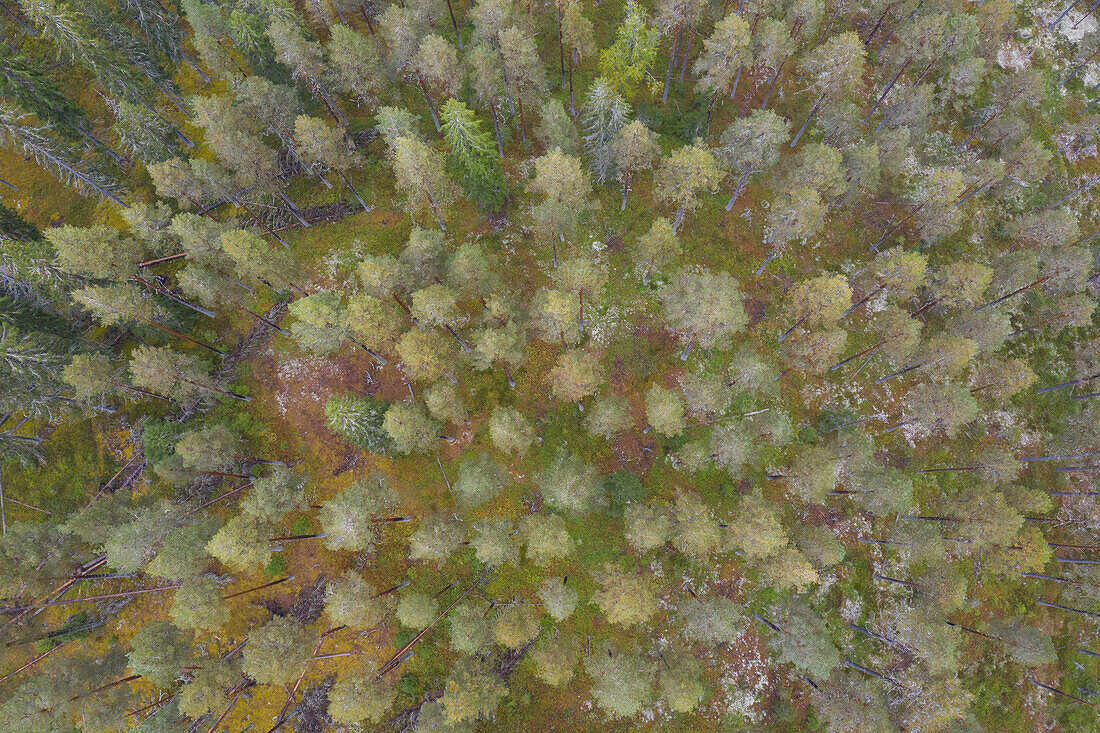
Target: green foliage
(359, 420)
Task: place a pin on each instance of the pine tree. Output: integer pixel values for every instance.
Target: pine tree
(471, 158)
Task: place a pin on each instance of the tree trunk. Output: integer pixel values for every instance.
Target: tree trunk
(572, 103)
(740, 187)
(522, 131)
(771, 86)
(687, 53)
(354, 193)
(687, 351)
(177, 334)
(736, 79)
(626, 188)
(561, 49)
(454, 24)
(173, 297)
(710, 110)
(293, 208)
(1017, 291)
(672, 56)
(806, 124)
(886, 91)
(428, 99)
(435, 210)
(679, 217)
(767, 260)
(496, 129)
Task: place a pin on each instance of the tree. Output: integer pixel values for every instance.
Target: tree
(522, 68)
(410, 430)
(571, 485)
(328, 148)
(724, 55)
(835, 68)
(198, 605)
(961, 284)
(848, 703)
(710, 621)
(576, 375)
(657, 248)
(609, 417)
(1027, 645)
(445, 403)
(621, 680)
(278, 651)
(803, 641)
(626, 62)
(556, 129)
(183, 552)
(635, 150)
(683, 175)
(160, 653)
(416, 610)
(555, 316)
(681, 684)
(646, 527)
(820, 301)
(206, 692)
(470, 630)
(510, 431)
(437, 537)
(751, 145)
(516, 625)
(577, 35)
(789, 569)
(347, 519)
(320, 322)
(353, 602)
(472, 691)
(213, 448)
(555, 659)
(813, 352)
(695, 531)
(356, 64)
(756, 531)
(703, 308)
(359, 420)
(567, 191)
(243, 543)
(492, 542)
(798, 214)
(97, 252)
(180, 376)
(435, 65)
(625, 598)
(425, 355)
(256, 262)
(819, 545)
(664, 410)
(304, 56)
(813, 474)
(545, 538)
(421, 175)
(939, 217)
(882, 490)
(274, 496)
(605, 115)
(939, 409)
(17, 131)
(359, 695)
(471, 158)
(558, 597)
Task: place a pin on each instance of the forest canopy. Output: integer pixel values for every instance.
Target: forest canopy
(635, 365)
